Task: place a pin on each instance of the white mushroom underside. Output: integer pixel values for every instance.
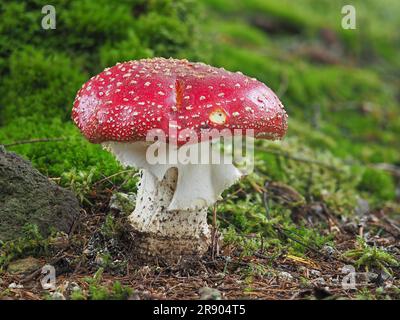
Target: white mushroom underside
(151, 217)
(199, 184)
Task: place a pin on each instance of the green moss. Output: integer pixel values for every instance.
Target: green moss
(39, 81)
(97, 291)
(109, 228)
(80, 182)
(107, 21)
(379, 183)
(56, 158)
(163, 30)
(372, 257)
(77, 295)
(32, 243)
(125, 50)
(239, 34)
(308, 238)
(39, 84)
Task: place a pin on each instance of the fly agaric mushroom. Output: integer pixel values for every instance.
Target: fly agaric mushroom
(122, 104)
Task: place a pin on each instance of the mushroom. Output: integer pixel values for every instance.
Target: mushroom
(120, 107)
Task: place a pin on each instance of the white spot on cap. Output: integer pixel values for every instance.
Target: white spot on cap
(218, 116)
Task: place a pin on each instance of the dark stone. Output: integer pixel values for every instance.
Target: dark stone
(28, 197)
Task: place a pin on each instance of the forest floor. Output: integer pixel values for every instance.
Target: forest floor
(84, 271)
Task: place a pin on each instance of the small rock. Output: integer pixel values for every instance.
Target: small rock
(15, 286)
(328, 250)
(315, 272)
(372, 277)
(72, 287)
(57, 296)
(220, 275)
(28, 197)
(207, 293)
(285, 275)
(22, 266)
(379, 279)
(123, 202)
(320, 282)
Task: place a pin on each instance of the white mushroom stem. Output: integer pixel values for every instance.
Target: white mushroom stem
(170, 217)
(165, 232)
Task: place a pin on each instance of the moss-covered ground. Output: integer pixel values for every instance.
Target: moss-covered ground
(326, 196)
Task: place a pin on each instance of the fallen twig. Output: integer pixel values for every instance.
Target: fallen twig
(301, 159)
(391, 168)
(16, 143)
(214, 235)
(113, 175)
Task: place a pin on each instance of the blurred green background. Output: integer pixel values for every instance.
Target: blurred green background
(340, 87)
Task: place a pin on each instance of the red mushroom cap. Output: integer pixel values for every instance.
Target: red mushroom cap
(124, 102)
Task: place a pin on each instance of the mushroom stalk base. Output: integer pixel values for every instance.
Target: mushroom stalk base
(168, 235)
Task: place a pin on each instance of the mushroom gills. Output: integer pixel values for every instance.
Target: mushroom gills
(199, 185)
